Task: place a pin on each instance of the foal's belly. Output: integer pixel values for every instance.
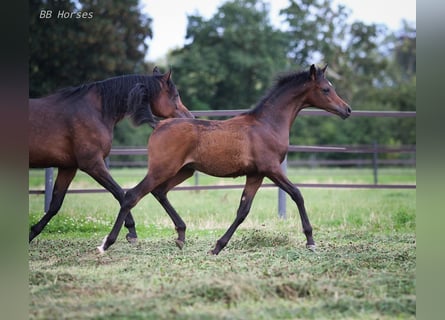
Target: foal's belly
(222, 169)
(227, 156)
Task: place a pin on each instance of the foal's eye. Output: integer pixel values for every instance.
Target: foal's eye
(325, 90)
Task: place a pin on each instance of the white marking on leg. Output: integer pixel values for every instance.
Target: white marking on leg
(101, 247)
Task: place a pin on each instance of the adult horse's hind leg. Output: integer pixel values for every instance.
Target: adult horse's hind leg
(63, 180)
(160, 193)
(250, 189)
(283, 182)
(101, 174)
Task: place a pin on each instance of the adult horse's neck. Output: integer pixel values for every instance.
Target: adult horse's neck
(115, 92)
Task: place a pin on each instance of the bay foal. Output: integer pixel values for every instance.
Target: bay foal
(252, 144)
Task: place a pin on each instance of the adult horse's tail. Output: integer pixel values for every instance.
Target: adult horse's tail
(139, 106)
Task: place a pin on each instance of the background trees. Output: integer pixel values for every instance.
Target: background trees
(230, 59)
(69, 52)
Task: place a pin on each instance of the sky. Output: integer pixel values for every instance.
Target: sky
(170, 17)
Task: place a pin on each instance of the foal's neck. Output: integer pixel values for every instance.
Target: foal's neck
(280, 110)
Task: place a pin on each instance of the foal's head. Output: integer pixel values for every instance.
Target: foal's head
(168, 103)
(322, 94)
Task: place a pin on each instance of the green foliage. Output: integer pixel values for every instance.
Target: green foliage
(69, 52)
(230, 59)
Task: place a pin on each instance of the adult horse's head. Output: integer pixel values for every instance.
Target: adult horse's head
(322, 94)
(159, 97)
(168, 103)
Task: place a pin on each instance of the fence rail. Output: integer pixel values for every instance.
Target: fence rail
(297, 148)
(312, 112)
(373, 149)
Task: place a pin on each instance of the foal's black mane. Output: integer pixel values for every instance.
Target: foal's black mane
(114, 93)
(282, 83)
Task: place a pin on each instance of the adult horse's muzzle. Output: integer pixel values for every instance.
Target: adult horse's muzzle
(183, 112)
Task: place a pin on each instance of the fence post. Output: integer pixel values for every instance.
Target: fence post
(282, 194)
(48, 187)
(375, 162)
(107, 162)
(196, 176)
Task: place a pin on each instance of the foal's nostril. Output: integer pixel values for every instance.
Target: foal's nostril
(349, 110)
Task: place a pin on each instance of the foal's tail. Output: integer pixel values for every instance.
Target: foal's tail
(139, 106)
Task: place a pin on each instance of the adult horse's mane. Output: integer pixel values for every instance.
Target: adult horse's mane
(114, 93)
(282, 82)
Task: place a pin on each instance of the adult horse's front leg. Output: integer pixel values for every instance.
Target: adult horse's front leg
(283, 182)
(101, 174)
(250, 189)
(63, 180)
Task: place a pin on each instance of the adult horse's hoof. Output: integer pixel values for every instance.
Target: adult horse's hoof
(311, 247)
(130, 238)
(179, 243)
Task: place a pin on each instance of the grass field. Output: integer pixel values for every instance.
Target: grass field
(364, 267)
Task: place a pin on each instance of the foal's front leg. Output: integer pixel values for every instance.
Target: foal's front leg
(250, 189)
(283, 182)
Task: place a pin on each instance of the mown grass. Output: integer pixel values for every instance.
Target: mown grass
(364, 267)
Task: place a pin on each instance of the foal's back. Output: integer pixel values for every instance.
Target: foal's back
(227, 148)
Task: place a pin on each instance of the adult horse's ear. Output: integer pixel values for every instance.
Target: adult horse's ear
(313, 72)
(156, 71)
(167, 76)
(324, 69)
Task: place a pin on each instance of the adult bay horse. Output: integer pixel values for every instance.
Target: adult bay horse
(252, 144)
(73, 129)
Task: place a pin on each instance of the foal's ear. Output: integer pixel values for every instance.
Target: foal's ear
(324, 69)
(156, 71)
(313, 72)
(166, 77)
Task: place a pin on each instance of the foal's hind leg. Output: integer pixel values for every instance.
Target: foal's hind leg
(283, 182)
(160, 193)
(131, 198)
(250, 189)
(101, 174)
(63, 180)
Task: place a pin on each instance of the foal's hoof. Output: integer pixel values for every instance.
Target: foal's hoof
(179, 243)
(130, 238)
(100, 249)
(311, 247)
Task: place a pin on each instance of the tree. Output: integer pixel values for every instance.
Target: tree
(318, 31)
(70, 51)
(230, 59)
